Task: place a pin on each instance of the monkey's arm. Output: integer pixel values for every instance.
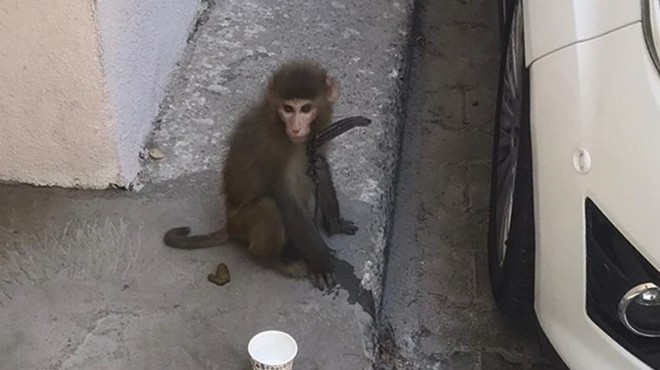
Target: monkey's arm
(333, 223)
(306, 239)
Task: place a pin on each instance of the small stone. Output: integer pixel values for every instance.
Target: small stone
(155, 153)
(136, 185)
(393, 74)
(217, 89)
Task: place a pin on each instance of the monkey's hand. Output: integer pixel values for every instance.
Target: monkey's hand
(323, 280)
(340, 226)
(321, 273)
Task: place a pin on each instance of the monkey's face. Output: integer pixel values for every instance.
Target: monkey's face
(298, 116)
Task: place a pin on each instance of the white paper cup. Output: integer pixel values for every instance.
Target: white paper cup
(272, 350)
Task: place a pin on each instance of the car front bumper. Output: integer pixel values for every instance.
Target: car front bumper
(595, 125)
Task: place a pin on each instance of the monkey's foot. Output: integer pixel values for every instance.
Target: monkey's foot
(324, 280)
(296, 269)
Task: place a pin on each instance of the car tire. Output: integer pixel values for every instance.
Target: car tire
(504, 10)
(511, 249)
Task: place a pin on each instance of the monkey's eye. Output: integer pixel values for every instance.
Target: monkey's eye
(306, 108)
(288, 109)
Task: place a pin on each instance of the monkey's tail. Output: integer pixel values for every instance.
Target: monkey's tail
(179, 238)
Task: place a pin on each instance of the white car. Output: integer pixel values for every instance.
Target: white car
(574, 236)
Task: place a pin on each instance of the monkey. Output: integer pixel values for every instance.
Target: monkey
(269, 198)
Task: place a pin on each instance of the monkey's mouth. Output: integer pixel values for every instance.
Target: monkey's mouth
(299, 139)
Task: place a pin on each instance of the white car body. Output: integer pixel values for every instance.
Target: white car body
(593, 87)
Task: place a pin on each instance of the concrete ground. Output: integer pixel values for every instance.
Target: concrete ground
(438, 312)
(86, 283)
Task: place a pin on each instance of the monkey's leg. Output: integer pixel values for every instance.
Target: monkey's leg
(292, 263)
(333, 223)
(259, 224)
(264, 230)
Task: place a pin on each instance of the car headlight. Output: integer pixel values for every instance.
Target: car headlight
(623, 298)
(651, 27)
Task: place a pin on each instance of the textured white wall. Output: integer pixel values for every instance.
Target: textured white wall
(80, 85)
(141, 41)
(55, 128)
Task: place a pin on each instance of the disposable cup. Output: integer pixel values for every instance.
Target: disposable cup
(272, 350)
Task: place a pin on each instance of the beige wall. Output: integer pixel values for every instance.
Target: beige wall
(55, 128)
(77, 97)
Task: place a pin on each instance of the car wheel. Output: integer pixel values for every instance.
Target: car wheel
(511, 219)
(504, 9)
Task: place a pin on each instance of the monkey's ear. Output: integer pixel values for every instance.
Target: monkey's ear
(333, 89)
(271, 96)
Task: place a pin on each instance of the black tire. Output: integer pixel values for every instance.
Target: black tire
(512, 271)
(504, 11)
